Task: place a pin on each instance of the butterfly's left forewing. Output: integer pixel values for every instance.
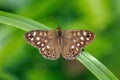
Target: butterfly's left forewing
(74, 41)
(45, 41)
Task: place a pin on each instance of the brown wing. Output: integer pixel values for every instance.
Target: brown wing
(45, 41)
(74, 41)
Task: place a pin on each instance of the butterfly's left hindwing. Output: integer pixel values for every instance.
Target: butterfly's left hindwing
(45, 41)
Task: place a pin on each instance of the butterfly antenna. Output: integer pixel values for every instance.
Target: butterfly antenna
(58, 26)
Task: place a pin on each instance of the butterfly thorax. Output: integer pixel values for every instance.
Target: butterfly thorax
(59, 32)
(59, 35)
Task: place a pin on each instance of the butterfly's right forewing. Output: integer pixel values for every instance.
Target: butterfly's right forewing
(45, 41)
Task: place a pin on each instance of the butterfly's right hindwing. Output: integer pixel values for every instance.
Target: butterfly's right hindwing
(45, 41)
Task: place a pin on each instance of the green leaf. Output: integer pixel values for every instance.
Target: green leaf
(96, 67)
(20, 22)
(90, 62)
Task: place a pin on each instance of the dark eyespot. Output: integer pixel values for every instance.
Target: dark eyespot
(53, 55)
(31, 36)
(48, 53)
(88, 36)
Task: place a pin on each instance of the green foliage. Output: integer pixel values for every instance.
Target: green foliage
(20, 61)
(97, 68)
(20, 22)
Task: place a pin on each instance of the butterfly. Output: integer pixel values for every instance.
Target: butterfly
(52, 44)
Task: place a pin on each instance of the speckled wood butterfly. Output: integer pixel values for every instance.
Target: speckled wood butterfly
(52, 43)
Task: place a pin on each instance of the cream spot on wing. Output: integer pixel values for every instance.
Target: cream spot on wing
(42, 44)
(81, 38)
(29, 35)
(78, 33)
(48, 47)
(43, 49)
(78, 44)
(90, 34)
(74, 34)
(84, 33)
(72, 46)
(32, 39)
(34, 33)
(77, 49)
(37, 38)
(82, 42)
(88, 38)
(38, 43)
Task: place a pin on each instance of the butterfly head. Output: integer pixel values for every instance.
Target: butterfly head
(59, 32)
(59, 28)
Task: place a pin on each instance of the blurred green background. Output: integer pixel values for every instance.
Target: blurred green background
(21, 61)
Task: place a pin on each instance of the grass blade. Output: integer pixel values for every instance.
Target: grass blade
(96, 67)
(20, 22)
